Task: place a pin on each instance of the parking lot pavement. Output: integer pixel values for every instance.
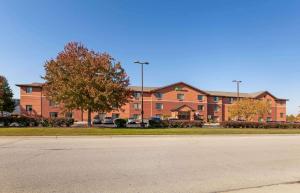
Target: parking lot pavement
(202, 164)
(279, 188)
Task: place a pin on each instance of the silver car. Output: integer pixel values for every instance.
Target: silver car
(108, 120)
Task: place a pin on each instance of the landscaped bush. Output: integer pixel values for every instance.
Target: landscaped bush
(21, 121)
(60, 122)
(244, 124)
(120, 123)
(24, 121)
(157, 124)
(175, 123)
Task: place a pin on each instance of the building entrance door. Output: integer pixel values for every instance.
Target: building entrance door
(184, 115)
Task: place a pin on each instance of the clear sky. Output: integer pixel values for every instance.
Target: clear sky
(204, 43)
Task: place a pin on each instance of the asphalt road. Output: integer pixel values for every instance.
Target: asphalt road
(150, 164)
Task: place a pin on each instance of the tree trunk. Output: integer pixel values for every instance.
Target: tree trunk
(81, 114)
(89, 118)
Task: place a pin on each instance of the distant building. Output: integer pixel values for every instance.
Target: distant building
(179, 100)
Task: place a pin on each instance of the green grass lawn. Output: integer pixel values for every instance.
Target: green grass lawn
(114, 131)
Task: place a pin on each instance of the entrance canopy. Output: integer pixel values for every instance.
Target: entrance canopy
(183, 112)
(184, 108)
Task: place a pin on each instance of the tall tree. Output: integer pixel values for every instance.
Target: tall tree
(7, 103)
(248, 109)
(86, 80)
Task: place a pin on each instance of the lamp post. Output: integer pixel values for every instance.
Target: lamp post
(142, 72)
(238, 93)
(238, 88)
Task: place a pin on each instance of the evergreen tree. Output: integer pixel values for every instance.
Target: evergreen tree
(7, 103)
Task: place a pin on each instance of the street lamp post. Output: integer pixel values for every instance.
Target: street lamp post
(238, 88)
(237, 92)
(142, 72)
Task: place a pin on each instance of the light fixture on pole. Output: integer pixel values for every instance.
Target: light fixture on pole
(142, 72)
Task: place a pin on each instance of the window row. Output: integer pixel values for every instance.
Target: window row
(160, 106)
(181, 96)
(158, 95)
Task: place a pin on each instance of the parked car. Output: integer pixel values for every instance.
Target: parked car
(97, 120)
(155, 119)
(108, 120)
(132, 121)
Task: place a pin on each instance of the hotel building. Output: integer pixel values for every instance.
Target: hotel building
(178, 100)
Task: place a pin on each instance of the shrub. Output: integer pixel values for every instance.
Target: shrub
(21, 121)
(120, 123)
(24, 121)
(60, 122)
(175, 123)
(242, 124)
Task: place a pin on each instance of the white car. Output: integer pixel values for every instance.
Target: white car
(108, 120)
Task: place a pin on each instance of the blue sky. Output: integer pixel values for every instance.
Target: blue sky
(204, 43)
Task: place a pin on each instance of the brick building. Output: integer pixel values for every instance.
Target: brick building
(179, 100)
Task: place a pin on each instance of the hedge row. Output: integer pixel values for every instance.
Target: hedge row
(175, 123)
(242, 124)
(24, 121)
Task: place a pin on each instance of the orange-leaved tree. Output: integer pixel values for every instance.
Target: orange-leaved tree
(86, 80)
(247, 109)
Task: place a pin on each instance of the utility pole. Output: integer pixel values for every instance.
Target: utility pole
(142, 73)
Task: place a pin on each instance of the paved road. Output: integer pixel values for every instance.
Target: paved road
(200, 164)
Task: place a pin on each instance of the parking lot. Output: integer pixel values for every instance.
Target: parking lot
(204, 164)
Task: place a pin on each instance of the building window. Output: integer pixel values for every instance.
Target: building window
(260, 119)
(115, 116)
(200, 107)
(281, 115)
(216, 99)
(200, 97)
(158, 95)
(269, 119)
(53, 103)
(137, 106)
(159, 106)
(28, 108)
(180, 96)
(53, 114)
(28, 89)
(137, 95)
(136, 116)
(216, 108)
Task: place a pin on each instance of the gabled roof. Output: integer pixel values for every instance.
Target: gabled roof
(178, 107)
(177, 83)
(259, 94)
(228, 94)
(35, 84)
(155, 89)
(242, 95)
(211, 93)
(139, 88)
